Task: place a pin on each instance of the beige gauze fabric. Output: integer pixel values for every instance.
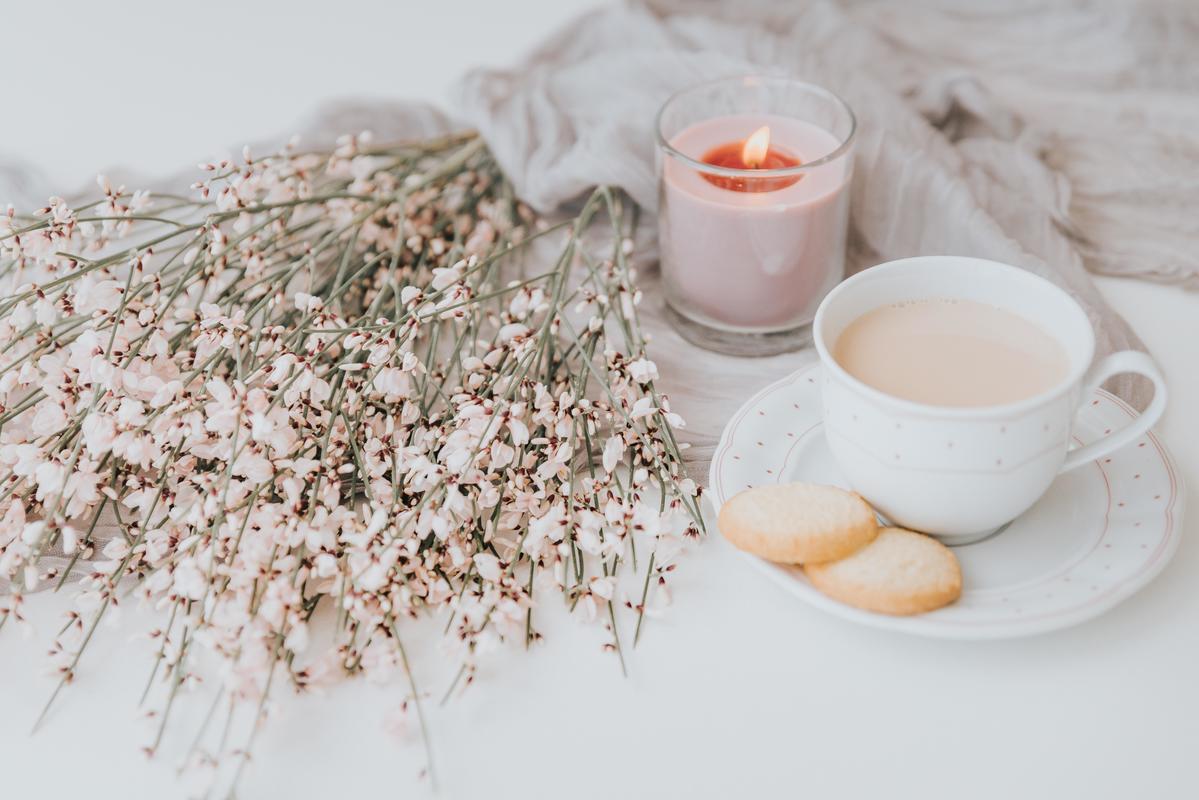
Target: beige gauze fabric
(1056, 137)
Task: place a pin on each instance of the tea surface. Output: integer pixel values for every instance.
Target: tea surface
(951, 352)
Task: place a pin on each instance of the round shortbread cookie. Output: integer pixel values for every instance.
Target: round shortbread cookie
(798, 523)
(900, 572)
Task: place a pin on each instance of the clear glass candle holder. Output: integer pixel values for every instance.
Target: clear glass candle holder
(754, 177)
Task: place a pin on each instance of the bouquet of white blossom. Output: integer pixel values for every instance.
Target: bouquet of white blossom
(326, 389)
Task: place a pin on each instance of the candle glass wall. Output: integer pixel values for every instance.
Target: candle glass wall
(754, 180)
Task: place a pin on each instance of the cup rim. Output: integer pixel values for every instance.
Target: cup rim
(779, 172)
(1073, 378)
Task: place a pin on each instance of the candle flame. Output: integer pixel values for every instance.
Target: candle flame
(756, 147)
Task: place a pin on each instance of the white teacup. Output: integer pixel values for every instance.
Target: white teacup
(961, 472)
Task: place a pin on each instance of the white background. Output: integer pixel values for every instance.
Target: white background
(740, 691)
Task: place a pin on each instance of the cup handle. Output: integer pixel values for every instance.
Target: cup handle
(1116, 364)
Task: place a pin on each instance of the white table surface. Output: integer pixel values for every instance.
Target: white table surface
(740, 690)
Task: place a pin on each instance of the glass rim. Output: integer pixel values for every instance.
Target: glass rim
(733, 172)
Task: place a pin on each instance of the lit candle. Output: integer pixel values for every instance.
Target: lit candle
(752, 225)
(754, 153)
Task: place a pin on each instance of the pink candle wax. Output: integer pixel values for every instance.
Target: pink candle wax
(754, 261)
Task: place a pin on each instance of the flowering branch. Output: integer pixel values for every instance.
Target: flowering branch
(327, 384)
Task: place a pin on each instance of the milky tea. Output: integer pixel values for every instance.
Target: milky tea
(951, 352)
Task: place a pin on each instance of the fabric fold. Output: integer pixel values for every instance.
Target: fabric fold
(949, 159)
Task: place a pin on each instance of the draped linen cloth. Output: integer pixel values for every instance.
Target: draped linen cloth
(1055, 137)
(1073, 127)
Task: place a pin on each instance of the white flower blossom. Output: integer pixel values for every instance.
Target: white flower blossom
(643, 370)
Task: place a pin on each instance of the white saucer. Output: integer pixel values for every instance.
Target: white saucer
(1097, 536)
